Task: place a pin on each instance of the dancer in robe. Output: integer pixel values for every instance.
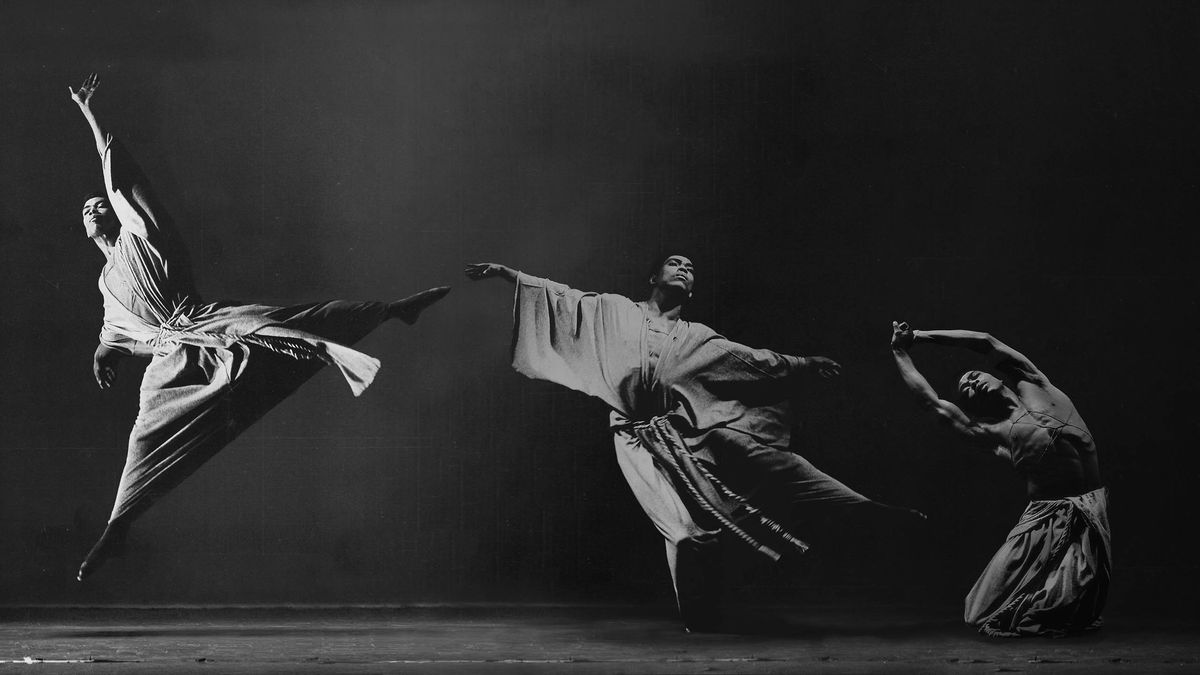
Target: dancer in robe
(214, 368)
(699, 422)
(1051, 575)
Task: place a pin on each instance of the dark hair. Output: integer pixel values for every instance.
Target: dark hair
(661, 259)
(94, 194)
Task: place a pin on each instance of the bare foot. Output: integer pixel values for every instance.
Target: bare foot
(408, 309)
(110, 545)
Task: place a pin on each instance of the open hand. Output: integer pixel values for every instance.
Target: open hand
(477, 271)
(104, 366)
(83, 95)
(902, 335)
(824, 367)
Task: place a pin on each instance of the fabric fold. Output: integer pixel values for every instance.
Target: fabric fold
(1051, 575)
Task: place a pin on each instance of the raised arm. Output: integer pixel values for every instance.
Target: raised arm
(479, 271)
(83, 98)
(947, 412)
(129, 191)
(1008, 359)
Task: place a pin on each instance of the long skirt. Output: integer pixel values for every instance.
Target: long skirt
(699, 493)
(195, 400)
(1051, 575)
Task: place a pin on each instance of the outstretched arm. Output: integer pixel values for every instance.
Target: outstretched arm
(947, 412)
(1007, 358)
(83, 98)
(478, 271)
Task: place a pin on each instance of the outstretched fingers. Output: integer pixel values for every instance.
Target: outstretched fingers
(85, 91)
(477, 271)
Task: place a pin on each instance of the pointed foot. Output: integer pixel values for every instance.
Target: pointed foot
(409, 309)
(110, 545)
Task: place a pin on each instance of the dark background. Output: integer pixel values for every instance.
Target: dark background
(1027, 169)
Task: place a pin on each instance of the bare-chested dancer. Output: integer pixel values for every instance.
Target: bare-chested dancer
(1051, 575)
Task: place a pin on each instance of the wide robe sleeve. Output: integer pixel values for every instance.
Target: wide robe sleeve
(721, 383)
(588, 342)
(131, 197)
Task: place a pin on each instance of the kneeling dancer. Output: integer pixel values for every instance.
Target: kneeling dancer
(1051, 575)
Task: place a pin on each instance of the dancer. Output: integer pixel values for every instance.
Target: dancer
(215, 368)
(1051, 575)
(699, 422)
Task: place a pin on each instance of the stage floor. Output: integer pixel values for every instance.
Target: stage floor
(562, 639)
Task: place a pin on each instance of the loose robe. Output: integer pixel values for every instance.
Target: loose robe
(1051, 575)
(705, 393)
(215, 367)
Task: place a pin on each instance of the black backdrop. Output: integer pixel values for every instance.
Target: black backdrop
(1023, 168)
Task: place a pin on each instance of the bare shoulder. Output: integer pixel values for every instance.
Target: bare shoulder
(1042, 395)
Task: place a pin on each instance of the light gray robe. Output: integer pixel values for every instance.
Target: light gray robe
(215, 367)
(714, 392)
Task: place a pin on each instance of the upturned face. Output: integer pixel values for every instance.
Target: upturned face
(976, 383)
(676, 272)
(98, 217)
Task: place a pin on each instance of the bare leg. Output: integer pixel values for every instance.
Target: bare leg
(110, 545)
(408, 309)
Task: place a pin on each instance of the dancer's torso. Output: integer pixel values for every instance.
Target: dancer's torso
(143, 285)
(1053, 449)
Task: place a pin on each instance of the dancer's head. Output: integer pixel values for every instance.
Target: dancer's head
(98, 216)
(982, 395)
(672, 274)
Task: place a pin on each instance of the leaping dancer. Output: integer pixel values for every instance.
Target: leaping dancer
(215, 367)
(700, 423)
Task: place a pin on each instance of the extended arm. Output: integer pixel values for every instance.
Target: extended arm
(478, 271)
(129, 191)
(83, 98)
(947, 412)
(776, 365)
(1006, 357)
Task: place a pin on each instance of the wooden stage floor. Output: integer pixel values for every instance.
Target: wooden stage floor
(562, 639)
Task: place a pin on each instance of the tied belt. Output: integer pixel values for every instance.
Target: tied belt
(171, 330)
(622, 423)
(181, 329)
(731, 511)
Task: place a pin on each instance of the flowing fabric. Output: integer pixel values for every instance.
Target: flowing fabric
(1051, 575)
(215, 367)
(713, 502)
(150, 303)
(597, 344)
(708, 403)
